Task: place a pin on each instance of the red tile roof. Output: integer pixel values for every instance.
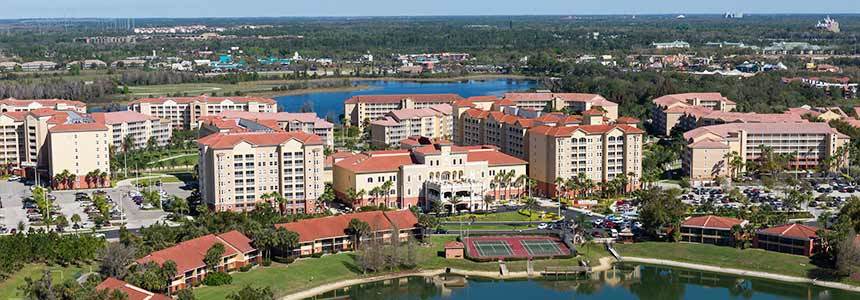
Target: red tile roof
(454, 245)
(668, 100)
(392, 160)
(204, 98)
(715, 222)
(793, 231)
(483, 98)
(230, 140)
(119, 117)
(15, 115)
(493, 157)
(723, 130)
(627, 120)
(336, 226)
(189, 254)
(441, 98)
(43, 102)
(78, 127)
(133, 292)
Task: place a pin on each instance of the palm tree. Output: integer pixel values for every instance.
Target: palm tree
(374, 194)
(497, 183)
(521, 182)
(353, 196)
(455, 200)
(530, 205)
(76, 219)
(738, 235)
(509, 181)
(71, 179)
(587, 183)
(386, 188)
(103, 177)
(168, 269)
(560, 188)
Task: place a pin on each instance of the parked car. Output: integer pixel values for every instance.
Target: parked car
(543, 226)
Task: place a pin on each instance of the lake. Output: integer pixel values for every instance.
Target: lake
(331, 103)
(625, 281)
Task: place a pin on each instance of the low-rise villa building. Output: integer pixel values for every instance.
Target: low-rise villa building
(796, 239)
(188, 257)
(710, 230)
(331, 234)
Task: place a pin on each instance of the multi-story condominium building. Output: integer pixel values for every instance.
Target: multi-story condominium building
(306, 122)
(48, 142)
(240, 170)
(81, 147)
(136, 127)
(669, 109)
(365, 108)
(572, 102)
(12, 105)
(434, 122)
(708, 148)
(599, 151)
(183, 112)
(458, 177)
(189, 257)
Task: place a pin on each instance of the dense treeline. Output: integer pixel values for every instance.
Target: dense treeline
(57, 88)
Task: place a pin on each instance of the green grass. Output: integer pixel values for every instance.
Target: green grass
(308, 273)
(727, 257)
(509, 216)
(9, 287)
(450, 227)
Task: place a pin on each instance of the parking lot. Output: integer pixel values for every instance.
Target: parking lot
(13, 212)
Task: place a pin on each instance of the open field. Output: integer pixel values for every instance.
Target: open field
(9, 287)
(728, 257)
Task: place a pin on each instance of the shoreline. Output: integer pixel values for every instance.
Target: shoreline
(739, 272)
(606, 263)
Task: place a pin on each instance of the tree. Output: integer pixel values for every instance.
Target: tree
(530, 204)
(76, 219)
(185, 294)
(386, 190)
(179, 205)
(115, 259)
(168, 269)
(358, 229)
(251, 293)
(214, 256)
(61, 222)
(353, 196)
(660, 209)
(427, 222)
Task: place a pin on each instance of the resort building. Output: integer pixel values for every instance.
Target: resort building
(140, 129)
(361, 109)
(48, 142)
(183, 112)
(600, 151)
(305, 122)
(79, 146)
(240, 170)
(434, 122)
(669, 109)
(12, 105)
(459, 177)
(713, 230)
(130, 291)
(671, 45)
(188, 257)
(568, 102)
(331, 234)
(708, 148)
(796, 239)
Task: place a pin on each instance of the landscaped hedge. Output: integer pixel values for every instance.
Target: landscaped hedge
(217, 278)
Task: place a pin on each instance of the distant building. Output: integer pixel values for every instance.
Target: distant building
(103, 40)
(828, 24)
(38, 66)
(88, 64)
(671, 45)
(242, 121)
(131, 292)
(365, 108)
(786, 48)
(139, 128)
(434, 122)
(183, 112)
(12, 104)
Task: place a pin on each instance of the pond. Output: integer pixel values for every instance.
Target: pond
(624, 281)
(331, 103)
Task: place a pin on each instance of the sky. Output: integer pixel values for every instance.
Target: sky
(12, 9)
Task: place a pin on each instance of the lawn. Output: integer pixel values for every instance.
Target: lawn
(449, 227)
(9, 287)
(307, 273)
(727, 257)
(509, 216)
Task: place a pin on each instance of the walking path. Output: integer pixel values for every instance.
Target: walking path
(827, 284)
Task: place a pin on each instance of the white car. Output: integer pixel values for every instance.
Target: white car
(614, 232)
(543, 226)
(14, 178)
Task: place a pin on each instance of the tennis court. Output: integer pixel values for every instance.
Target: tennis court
(493, 248)
(541, 247)
(521, 246)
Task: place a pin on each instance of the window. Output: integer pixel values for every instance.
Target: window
(369, 179)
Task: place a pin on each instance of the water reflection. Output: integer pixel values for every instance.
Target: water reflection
(624, 281)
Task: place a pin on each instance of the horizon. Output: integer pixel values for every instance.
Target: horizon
(172, 9)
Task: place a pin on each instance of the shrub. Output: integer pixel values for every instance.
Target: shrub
(267, 262)
(217, 278)
(284, 260)
(317, 255)
(245, 268)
